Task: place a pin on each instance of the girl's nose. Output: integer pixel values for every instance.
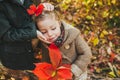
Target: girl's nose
(50, 33)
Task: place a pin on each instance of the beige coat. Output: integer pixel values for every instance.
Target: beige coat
(74, 50)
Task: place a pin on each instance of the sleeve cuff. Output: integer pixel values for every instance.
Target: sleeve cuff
(76, 70)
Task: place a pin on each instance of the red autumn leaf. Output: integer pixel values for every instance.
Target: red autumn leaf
(66, 65)
(55, 55)
(112, 56)
(39, 71)
(54, 71)
(64, 73)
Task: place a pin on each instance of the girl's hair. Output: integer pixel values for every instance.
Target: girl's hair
(46, 15)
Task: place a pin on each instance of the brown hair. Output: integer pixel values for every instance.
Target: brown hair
(46, 14)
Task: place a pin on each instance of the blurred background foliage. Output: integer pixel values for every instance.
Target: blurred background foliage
(99, 23)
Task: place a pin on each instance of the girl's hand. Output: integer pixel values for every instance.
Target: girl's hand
(41, 37)
(48, 6)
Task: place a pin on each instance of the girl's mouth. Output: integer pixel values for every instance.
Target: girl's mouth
(52, 39)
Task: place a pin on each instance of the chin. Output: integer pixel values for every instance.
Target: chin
(52, 41)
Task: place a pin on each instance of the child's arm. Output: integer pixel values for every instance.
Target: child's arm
(83, 57)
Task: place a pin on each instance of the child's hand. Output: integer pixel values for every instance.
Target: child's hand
(41, 37)
(48, 6)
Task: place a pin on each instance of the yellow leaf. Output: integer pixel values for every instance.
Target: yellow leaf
(88, 17)
(109, 2)
(119, 72)
(111, 74)
(2, 77)
(105, 14)
(105, 32)
(113, 1)
(86, 32)
(98, 70)
(100, 3)
(95, 41)
(117, 50)
(66, 1)
(12, 78)
(116, 14)
(102, 35)
(104, 41)
(58, 0)
(110, 44)
(92, 22)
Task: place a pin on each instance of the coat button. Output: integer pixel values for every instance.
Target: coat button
(29, 50)
(67, 46)
(28, 40)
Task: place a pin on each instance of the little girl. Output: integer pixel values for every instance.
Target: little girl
(75, 51)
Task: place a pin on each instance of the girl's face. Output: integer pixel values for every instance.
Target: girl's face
(50, 28)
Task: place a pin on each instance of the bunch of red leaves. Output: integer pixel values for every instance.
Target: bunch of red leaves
(54, 71)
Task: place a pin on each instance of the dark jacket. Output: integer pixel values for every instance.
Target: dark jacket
(16, 31)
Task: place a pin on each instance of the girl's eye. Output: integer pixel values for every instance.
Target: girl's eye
(53, 28)
(43, 32)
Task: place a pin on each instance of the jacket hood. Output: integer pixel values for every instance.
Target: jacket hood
(13, 1)
(70, 32)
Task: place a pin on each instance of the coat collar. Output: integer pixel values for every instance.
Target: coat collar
(1, 0)
(12, 1)
(16, 1)
(70, 33)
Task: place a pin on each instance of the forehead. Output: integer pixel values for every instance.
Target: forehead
(45, 16)
(48, 22)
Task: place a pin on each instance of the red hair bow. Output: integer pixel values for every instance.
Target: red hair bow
(35, 10)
